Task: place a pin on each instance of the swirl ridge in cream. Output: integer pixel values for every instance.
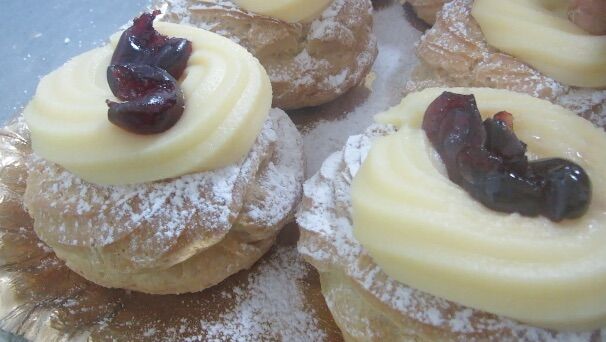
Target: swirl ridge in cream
(227, 95)
(427, 232)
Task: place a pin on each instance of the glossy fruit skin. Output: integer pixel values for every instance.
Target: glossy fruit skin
(143, 72)
(142, 44)
(153, 100)
(489, 162)
(566, 190)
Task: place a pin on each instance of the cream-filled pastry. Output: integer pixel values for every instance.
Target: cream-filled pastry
(405, 253)
(455, 52)
(169, 210)
(228, 99)
(313, 51)
(539, 33)
(586, 14)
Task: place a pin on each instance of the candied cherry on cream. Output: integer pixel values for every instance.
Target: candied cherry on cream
(153, 99)
(142, 44)
(489, 162)
(143, 72)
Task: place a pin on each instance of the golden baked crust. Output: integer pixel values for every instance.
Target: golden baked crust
(308, 64)
(180, 235)
(426, 9)
(454, 53)
(367, 304)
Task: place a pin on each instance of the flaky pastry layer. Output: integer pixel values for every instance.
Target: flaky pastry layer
(179, 235)
(308, 63)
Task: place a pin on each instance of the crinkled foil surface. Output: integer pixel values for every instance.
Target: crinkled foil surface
(278, 299)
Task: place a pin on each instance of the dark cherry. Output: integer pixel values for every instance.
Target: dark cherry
(142, 44)
(567, 188)
(485, 179)
(173, 56)
(501, 140)
(154, 102)
(451, 126)
(143, 73)
(489, 162)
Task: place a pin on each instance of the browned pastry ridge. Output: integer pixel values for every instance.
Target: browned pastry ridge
(175, 236)
(308, 64)
(454, 52)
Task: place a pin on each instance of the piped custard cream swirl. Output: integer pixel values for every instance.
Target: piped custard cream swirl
(292, 11)
(227, 98)
(427, 232)
(539, 33)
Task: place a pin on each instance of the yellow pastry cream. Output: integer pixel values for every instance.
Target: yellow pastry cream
(539, 33)
(427, 232)
(292, 11)
(227, 98)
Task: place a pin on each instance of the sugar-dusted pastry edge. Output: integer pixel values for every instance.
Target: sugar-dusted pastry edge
(250, 236)
(453, 53)
(308, 64)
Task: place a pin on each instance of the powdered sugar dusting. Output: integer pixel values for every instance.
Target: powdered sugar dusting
(270, 305)
(455, 47)
(275, 301)
(152, 217)
(327, 242)
(589, 103)
(277, 190)
(272, 296)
